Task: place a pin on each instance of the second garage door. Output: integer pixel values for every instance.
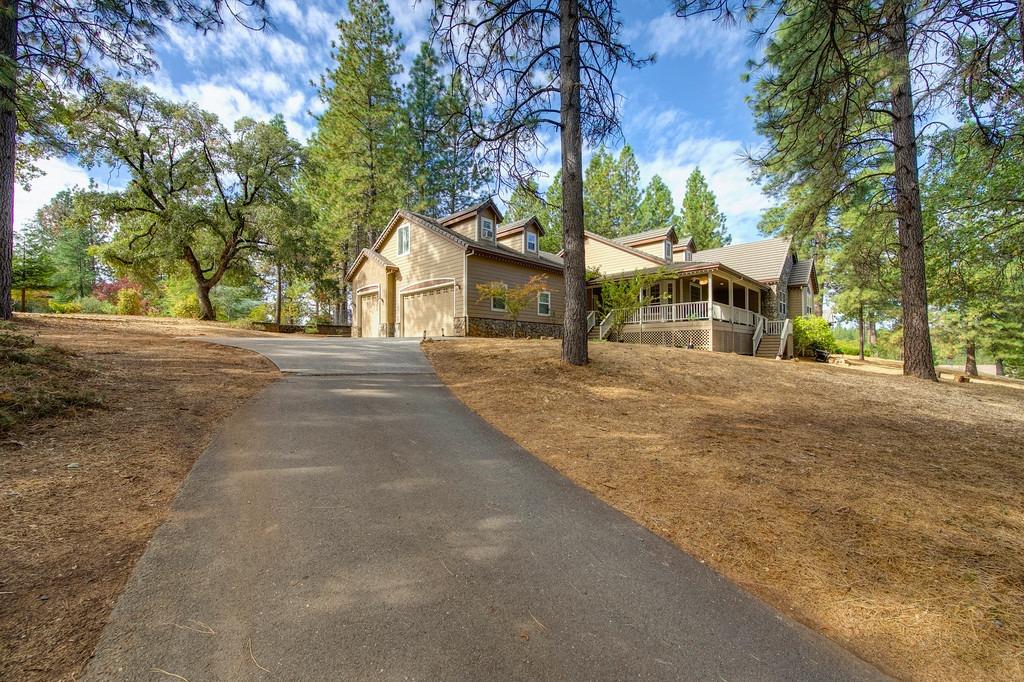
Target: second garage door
(431, 311)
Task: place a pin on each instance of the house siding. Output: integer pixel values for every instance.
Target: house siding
(513, 241)
(654, 248)
(430, 256)
(610, 260)
(482, 270)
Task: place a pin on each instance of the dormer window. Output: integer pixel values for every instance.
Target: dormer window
(531, 242)
(486, 229)
(403, 240)
(668, 250)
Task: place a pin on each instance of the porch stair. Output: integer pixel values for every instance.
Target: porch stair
(769, 346)
(595, 333)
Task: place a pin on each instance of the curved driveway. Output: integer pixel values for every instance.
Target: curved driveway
(356, 521)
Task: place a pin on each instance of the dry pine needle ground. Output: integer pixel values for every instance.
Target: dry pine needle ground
(886, 512)
(83, 484)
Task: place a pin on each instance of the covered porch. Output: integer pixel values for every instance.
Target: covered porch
(703, 306)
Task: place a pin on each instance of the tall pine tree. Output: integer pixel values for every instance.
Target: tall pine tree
(700, 217)
(461, 178)
(611, 193)
(423, 100)
(657, 209)
(356, 175)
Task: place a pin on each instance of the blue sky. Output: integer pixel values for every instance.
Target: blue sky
(686, 109)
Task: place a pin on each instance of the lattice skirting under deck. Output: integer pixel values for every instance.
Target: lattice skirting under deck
(680, 338)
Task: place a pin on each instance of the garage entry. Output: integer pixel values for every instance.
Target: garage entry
(369, 318)
(430, 311)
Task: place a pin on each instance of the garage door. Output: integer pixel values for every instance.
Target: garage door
(431, 312)
(369, 324)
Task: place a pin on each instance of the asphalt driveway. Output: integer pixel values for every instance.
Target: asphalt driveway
(356, 521)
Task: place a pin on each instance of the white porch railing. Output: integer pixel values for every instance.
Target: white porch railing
(774, 327)
(787, 329)
(758, 333)
(605, 328)
(591, 320)
(695, 310)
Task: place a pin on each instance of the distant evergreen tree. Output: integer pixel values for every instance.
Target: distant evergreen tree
(627, 193)
(461, 179)
(552, 239)
(611, 193)
(525, 202)
(74, 229)
(700, 217)
(423, 100)
(33, 261)
(657, 209)
(356, 176)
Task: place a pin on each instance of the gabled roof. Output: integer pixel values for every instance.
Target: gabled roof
(682, 267)
(622, 247)
(367, 254)
(470, 210)
(763, 260)
(473, 246)
(519, 225)
(684, 243)
(802, 274)
(668, 232)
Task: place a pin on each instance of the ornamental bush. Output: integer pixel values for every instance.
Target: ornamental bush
(811, 333)
(129, 302)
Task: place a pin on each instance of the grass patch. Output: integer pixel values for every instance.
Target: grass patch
(38, 381)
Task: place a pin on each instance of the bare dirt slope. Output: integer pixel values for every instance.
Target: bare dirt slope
(887, 512)
(82, 491)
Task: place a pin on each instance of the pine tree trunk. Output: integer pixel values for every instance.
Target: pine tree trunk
(917, 344)
(860, 327)
(1000, 369)
(8, 146)
(872, 331)
(205, 304)
(574, 325)
(971, 365)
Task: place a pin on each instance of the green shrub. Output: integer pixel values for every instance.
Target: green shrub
(847, 347)
(65, 308)
(186, 307)
(129, 302)
(811, 333)
(259, 313)
(94, 306)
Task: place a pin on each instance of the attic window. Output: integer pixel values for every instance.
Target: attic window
(487, 229)
(668, 250)
(403, 240)
(531, 241)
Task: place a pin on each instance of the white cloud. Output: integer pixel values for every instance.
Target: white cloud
(721, 161)
(668, 35)
(59, 175)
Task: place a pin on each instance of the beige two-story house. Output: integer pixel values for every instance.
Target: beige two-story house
(420, 277)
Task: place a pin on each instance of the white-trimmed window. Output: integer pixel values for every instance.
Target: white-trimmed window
(486, 229)
(531, 241)
(498, 303)
(668, 250)
(403, 240)
(544, 303)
